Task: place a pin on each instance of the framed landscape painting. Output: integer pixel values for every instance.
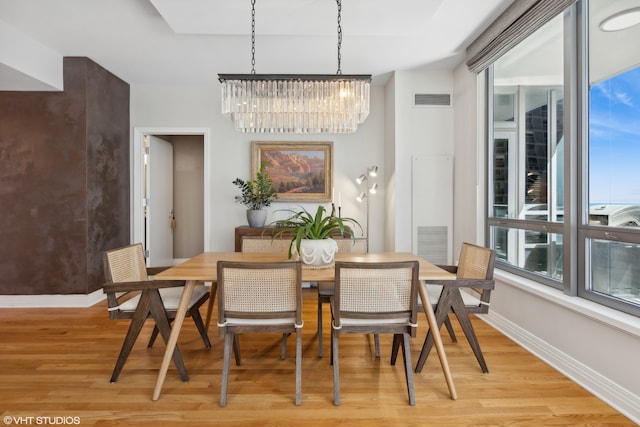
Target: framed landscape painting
(300, 171)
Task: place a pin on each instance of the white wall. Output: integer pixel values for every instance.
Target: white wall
(230, 155)
(26, 64)
(418, 131)
(469, 163)
(390, 164)
(597, 347)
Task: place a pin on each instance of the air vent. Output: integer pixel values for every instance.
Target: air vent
(432, 99)
(432, 243)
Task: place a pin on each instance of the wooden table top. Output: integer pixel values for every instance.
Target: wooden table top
(203, 267)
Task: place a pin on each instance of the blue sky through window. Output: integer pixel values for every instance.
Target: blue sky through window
(614, 140)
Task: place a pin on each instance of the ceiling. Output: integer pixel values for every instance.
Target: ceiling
(188, 42)
(538, 59)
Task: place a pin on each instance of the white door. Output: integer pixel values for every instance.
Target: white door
(159, 194)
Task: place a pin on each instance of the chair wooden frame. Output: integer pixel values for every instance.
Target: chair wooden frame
(375, 298)
(474, 272)
(276, 309)
(127, 279)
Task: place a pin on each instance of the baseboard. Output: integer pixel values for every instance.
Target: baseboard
(51, 301)
(613, 394)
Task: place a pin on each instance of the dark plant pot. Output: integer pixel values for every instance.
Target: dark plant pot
(256, 217)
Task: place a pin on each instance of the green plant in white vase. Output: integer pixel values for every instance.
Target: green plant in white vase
(256, 194)
(312, 234)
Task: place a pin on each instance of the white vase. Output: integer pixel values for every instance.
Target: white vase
(318, 252)
(256, 217)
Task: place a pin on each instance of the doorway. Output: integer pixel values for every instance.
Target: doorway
(169, 195)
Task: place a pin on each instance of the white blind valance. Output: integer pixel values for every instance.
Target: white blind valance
(515, 24)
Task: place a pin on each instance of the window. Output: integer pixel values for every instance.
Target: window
(610, 230)
(527, 155)
(526, 220)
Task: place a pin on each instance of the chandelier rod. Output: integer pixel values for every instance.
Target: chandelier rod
(253, 36)
(298, 103)
(294, 77)
(339, 2)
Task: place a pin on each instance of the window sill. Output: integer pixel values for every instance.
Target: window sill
(605, 315)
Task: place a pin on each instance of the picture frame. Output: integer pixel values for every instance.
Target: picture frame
(300, 171)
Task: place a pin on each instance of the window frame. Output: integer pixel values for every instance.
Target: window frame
(576, 231)
(509, 221)
(585, 230)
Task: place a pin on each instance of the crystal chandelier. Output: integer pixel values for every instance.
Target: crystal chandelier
(295, 103)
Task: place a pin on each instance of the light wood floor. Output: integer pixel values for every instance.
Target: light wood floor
(57, 363)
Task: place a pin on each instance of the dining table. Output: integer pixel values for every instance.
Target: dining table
(203, 268)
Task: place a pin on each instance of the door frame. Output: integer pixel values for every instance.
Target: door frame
(137, 178)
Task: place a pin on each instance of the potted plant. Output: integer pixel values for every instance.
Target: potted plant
(312, 234)
(256, 194)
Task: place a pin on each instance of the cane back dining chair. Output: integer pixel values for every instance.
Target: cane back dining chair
(379, 298)
(259, 297)
(256, 244)
(469, 293)
(325, 289)
(266, 244)
(132, 295)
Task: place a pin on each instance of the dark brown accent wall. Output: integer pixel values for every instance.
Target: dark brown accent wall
(64, 182)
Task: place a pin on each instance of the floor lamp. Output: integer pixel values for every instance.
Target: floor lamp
(364, 195)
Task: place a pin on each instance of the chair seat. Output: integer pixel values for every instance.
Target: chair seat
(349, 321)
(170, 298)
(259, 322)
(325, 289)
(434, 292)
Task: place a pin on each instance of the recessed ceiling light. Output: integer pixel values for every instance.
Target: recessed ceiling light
(621, 20)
